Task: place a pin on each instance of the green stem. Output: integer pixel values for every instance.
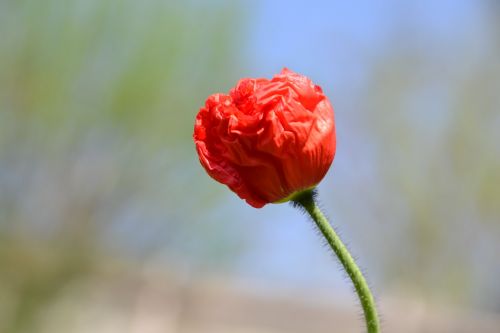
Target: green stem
(306, 200)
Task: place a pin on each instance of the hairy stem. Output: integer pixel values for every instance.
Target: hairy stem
(306, 200)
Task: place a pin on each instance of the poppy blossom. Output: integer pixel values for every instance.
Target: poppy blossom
(267, 139)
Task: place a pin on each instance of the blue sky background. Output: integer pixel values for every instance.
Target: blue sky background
(337, 43)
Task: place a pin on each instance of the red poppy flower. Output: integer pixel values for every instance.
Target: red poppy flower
(267, 139)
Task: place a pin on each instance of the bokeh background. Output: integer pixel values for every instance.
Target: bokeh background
(109, 224)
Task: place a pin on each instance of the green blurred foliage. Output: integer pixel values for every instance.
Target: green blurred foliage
(435, 125)
(97, 101)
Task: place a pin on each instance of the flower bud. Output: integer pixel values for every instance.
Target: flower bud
(267, 139)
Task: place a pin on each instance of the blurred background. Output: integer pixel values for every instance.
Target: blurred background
(109, 224)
